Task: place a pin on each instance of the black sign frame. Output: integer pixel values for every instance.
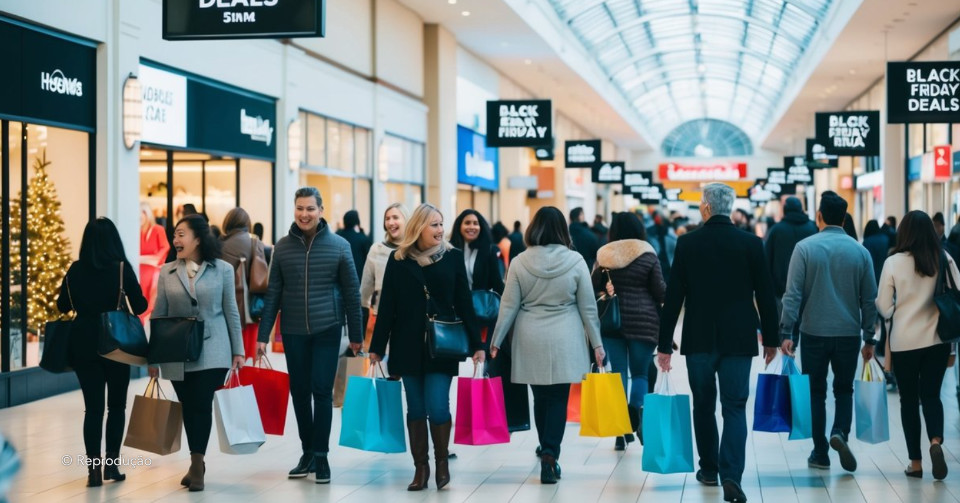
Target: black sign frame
(628, 189)
(198, 22)
(544, 120)
(824, 161)
(900, 92)
(596, 145)
(790, 164)
(595, 172)
(849, 120)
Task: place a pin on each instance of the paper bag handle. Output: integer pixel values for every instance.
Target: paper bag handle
(663, 386)
(872, 372)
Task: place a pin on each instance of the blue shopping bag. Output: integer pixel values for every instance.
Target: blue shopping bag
(801, 421)
(372, 417)
(771, 410)
(667, 432)
(870, 401)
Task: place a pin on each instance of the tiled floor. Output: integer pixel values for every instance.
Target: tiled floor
(46, 431)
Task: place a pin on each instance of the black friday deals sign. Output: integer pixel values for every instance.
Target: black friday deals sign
(519, 123)
(923, 92)
(854, 133)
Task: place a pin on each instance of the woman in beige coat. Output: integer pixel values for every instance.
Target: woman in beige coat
(548, 300)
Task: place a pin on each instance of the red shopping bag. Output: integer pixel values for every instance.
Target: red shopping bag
(272, 389)
(481, 414)
(573, 404)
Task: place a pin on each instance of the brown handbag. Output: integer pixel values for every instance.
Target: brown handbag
(259, 272)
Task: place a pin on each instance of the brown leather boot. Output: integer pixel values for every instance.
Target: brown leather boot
(194, 478)
(441, 440)
(418, 448)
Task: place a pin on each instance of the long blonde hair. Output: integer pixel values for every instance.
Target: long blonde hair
(403, 212)
(414, 227)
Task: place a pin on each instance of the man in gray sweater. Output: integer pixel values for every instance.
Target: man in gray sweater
(832, 276)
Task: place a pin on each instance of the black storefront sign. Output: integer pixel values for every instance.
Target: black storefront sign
(231, 19)
(818, 158)
(634, 182)
(797, 170)
(855, 133)
(519, 123)
(53, 79)
(923, 92)
(581, 153)
(608, 172)
(229, 122)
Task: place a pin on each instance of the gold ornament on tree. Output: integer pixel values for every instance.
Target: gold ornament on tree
(48, 250)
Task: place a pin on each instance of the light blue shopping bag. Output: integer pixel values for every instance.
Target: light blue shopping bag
(870, 401)
(667, 432)
(801, 421)
(372, 417)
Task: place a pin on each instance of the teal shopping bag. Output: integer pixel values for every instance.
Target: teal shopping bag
(801, 421)
(372, 418)
(870, 401)
(667, 432)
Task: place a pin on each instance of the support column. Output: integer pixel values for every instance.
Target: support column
(440, 89)
(894, 172)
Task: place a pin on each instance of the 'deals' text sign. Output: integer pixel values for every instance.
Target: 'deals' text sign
(230, 19)
(923, 92)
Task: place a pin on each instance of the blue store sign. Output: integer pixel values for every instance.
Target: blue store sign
(956, 162)
(477, 165)
(914, 168)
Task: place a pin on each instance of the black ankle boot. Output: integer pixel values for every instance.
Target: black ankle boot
(94, 476)
(548, 469)
(111, 468)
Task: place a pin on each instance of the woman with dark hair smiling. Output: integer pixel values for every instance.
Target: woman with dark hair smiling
(471, 234)
(90, 288)
(918, 353)
(201, 285)
(548, 301)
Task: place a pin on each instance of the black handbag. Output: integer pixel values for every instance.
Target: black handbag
(122, 338)
(55, 356)
(608, 309)
(947, 299)
(445, 339)
(175, 340)
(486, 303)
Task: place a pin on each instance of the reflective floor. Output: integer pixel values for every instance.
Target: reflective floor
(47, 430)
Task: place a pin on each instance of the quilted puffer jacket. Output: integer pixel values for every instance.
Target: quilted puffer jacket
(313, 284)
(638, 282)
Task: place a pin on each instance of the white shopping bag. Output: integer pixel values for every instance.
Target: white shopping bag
(238, 418)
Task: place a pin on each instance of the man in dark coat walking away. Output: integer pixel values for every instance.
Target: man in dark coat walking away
(516, 241)
(721, 278)
(795, 227)
(584, 239)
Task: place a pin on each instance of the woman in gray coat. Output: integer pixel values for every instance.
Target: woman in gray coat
(549, 296)
(199, 284)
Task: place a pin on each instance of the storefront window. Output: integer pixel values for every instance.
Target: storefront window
(343, 175)
(54, 187)
(256, 194)
(402, 167)
(916, 139)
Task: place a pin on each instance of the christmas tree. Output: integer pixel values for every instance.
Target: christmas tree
(48, 251)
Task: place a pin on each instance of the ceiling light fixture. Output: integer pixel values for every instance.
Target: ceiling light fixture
(465, 13)
(452, 2)
(528, 61)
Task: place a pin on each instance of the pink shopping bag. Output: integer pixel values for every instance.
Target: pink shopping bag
(481, 415)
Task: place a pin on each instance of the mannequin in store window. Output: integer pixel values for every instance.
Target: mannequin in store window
(154, 248)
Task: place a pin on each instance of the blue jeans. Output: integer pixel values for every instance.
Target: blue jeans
(635, 356)
(726, 456)
(818, 355)
(428, 396)
(312, 364)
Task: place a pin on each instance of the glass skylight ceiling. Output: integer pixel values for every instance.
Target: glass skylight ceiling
(681, 60)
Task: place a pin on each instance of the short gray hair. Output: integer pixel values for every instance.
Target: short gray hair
(720, 197)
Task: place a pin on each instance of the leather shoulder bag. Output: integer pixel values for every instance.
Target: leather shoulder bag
(445, 339)
(608, 308)
(947, 299)
(176, 339)
(55, 356)
(122, 338)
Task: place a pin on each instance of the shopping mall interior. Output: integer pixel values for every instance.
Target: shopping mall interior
(145, 111)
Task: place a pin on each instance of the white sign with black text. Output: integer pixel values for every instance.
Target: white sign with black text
(164, 107)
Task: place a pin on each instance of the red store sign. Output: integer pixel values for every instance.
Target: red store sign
(724, 171)
(942, 163)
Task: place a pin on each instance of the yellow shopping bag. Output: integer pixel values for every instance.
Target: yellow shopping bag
(603, 406)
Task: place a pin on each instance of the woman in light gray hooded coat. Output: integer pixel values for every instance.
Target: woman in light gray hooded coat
(548, 300)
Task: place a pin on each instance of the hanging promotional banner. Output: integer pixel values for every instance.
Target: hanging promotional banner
(581, 153)
(231, 19)
(723, 171)
(797, 170)
(519, 123)
(477, 164)
(942, 163)
(923, 92)
(777, 175)
(544, 153)
(164, 97)
(672, 194)
(635, 181)
(608, 172)
(854, 133)
(759, 193)
(653, 194)
(817, 156)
